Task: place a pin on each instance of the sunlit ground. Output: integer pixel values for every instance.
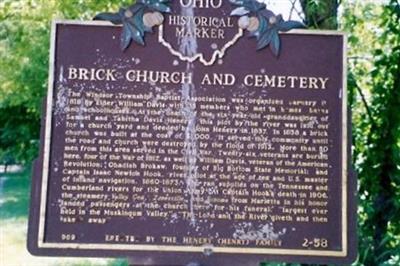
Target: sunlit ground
(14, 200)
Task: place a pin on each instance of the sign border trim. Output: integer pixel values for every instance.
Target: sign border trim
(164, 248)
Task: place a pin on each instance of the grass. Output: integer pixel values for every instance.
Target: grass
(14, 209)
(14, 197)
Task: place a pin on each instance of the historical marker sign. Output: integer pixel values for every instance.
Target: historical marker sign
(195, 147)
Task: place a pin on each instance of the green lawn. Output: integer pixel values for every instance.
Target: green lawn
(14, 205)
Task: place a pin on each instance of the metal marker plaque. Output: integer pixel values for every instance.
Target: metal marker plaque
(195, 147)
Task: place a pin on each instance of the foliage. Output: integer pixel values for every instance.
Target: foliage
(375, 99)
(23, 71)
(131, 18)
(24, 46)
(321, 14)
(270, 25)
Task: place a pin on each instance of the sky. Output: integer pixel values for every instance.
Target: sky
(284, 7)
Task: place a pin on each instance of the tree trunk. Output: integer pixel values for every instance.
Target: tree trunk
(320, 14)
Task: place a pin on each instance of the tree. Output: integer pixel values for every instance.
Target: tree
(380, 170)
(24, 51)
(374, 93)
(321, 14)
(374, 98)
